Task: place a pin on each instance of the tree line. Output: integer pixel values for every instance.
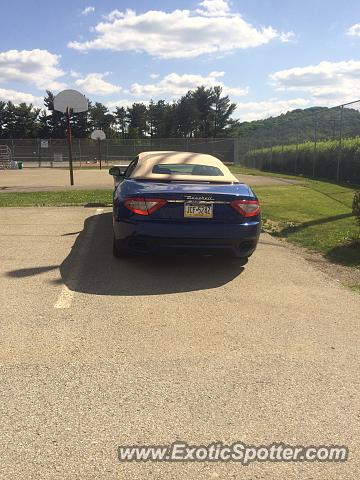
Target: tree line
(298, 126)
(203, 112)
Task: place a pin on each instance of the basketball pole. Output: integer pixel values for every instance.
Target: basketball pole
(98, 136)
(68, 102)
(99, 151)
(70, 146)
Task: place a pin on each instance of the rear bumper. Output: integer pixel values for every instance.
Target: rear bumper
(239, 240)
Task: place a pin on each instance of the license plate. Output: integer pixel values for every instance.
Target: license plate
(198, 210)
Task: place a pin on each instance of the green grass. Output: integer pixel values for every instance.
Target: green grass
(313, 214)
(316, 215)
(240, 170)
(50, 199)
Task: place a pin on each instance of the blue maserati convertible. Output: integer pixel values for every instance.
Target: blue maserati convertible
(182, 202)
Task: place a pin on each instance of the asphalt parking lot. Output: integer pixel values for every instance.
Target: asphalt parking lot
(97, 352)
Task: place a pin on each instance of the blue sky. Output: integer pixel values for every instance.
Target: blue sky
(270, 56)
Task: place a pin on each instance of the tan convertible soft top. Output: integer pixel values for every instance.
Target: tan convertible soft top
(147, 160)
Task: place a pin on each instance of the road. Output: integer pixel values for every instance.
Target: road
(48, 179)
(97, 352)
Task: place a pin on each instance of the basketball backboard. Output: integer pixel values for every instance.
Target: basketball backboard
(70, 99)
(98, 135)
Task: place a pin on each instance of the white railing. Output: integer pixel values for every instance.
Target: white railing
(5, 157)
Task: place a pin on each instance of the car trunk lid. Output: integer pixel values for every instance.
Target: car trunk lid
(193, 202)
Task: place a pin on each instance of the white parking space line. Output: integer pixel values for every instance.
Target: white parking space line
(66, 295)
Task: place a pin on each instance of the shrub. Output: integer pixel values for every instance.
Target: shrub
(322, 162)
(356, 206)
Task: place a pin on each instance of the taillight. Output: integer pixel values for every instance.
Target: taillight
(144, 206)
(246, 208)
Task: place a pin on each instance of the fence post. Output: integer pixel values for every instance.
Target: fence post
(315, 144)
(340, 144)
(297, 148)
(334, 129)
(271, 146)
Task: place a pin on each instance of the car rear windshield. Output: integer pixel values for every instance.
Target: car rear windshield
(187, 169)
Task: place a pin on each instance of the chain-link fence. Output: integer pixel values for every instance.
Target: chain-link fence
(321, 142)
(54, 152)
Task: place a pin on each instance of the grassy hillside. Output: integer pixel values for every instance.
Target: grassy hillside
(300, 125)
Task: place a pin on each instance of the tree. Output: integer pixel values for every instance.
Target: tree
(80, 124)
(151, 116)
(223, 109)
(186, 116)
(120, 118)
(52, 124)
(203, 98)
(22, 120)
(159, 119)
(4, 119)
(299, 125)
(101, 118)
(203, 112)
(169, 124)
(137, 118)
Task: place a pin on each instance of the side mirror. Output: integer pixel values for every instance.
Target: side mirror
(117, 171)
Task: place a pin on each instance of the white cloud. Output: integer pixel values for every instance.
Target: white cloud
(16, 97)
(94, 83)
(124, 102)
(211, 29)
(88, 10)
(214, 8)
(327, 82)
(354, 30)
(248, 111)
(74, 74)
(115, 14)
(154, 75)
(286, 37)
(175, 85)
(36, 67)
